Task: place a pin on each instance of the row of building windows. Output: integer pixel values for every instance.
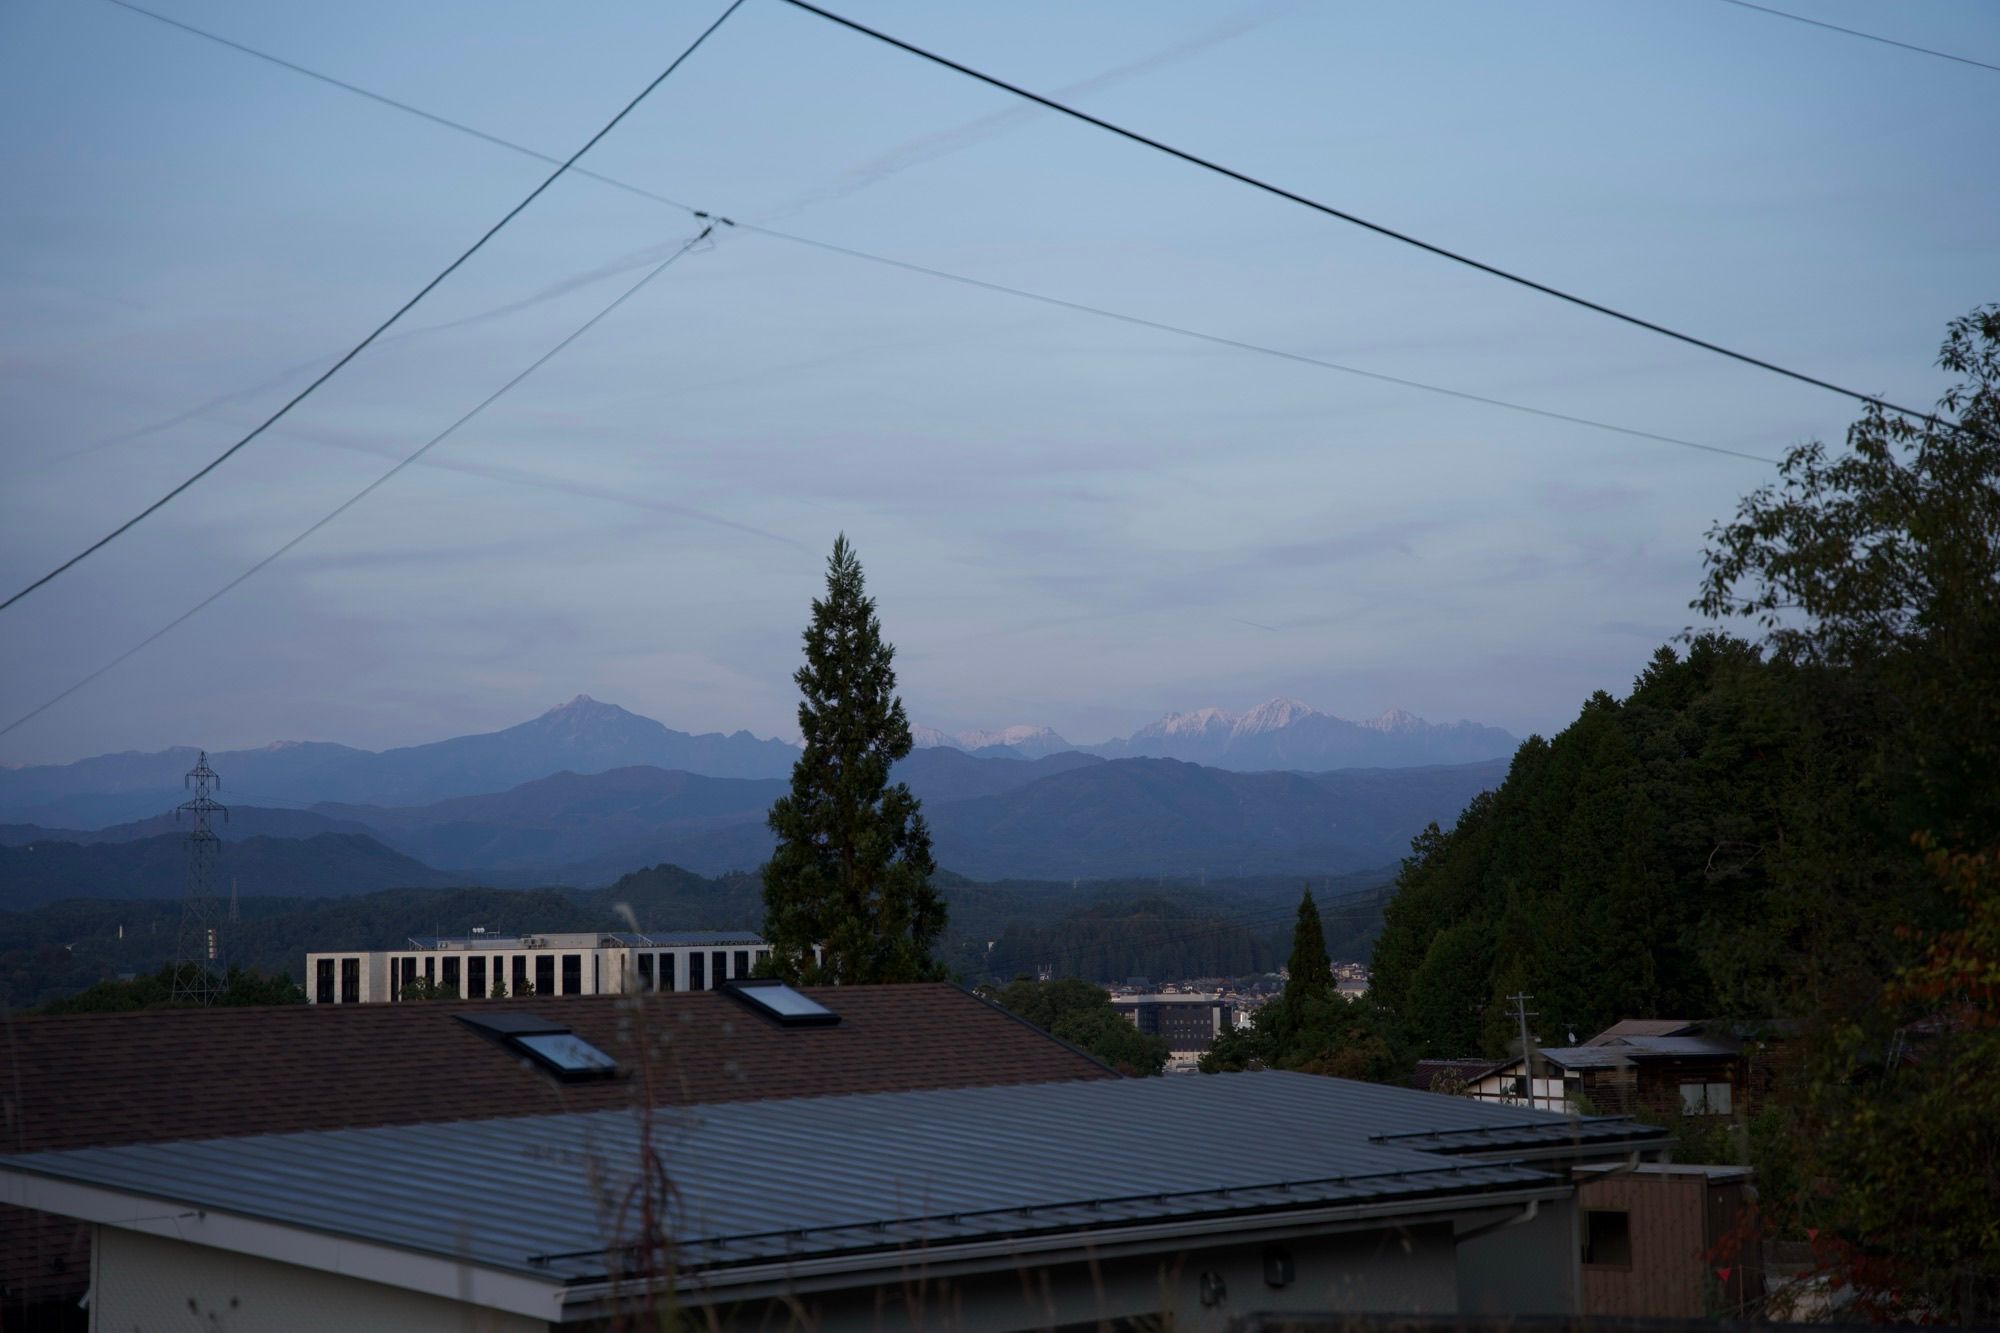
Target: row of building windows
(478, 976)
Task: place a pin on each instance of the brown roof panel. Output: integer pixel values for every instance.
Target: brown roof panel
(82, 1080)
(1645, 1027)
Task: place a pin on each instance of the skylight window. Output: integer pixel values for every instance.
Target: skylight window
(551, 1045)
(781, 1004)
(566, 1053)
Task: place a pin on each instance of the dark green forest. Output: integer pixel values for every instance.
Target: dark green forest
(1167, 938)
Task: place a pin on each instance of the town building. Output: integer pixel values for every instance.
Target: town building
(1070, 1203)
(481, 965)
(1660, 1065)
(1189, 1022)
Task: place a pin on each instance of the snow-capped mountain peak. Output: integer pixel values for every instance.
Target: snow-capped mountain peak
(1200, 722)
(1024, 737)
(1021, 734)
(1273, 715)
(1395, 720)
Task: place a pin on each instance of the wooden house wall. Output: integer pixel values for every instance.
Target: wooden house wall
(1667, 1224)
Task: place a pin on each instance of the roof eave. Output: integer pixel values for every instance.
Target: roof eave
(1004, 1253)
(348, 1256)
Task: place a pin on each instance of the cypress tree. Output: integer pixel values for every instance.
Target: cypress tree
(1311, 973)
(853, 867)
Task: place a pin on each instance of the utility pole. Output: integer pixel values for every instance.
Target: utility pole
(1527, 1046)
(198, 955)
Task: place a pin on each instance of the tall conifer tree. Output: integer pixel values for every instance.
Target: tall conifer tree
(853, 866)
(1311, 973)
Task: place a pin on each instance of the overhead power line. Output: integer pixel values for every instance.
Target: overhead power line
(383, 327)
(367, 490)
(1292, 196)
(1241, 345)
(407, 107)
(943, 274)
(1855, 32)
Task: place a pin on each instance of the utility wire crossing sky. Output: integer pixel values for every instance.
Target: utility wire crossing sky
(1072, 555)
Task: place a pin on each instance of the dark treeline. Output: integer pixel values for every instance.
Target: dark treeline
(62, 948)
(1160, 938)
(1148, 938)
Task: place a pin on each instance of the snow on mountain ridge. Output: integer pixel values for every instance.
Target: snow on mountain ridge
(1273, 715)
(1198, 723)
(1019, 733)
(1026, 737)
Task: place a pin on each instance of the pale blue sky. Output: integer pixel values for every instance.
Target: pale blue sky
(1065, 520)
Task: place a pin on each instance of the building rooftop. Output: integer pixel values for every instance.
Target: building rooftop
(75, 1080)
(1714, 1174)
(1641, 1047)
(874, 1173)
(591, 939)
(1645, 1027)
(1466, 1069)
(1167, 997)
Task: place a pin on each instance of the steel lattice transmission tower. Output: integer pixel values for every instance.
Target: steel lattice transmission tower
(198, 955)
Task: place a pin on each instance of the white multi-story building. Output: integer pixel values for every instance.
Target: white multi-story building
(481, 965)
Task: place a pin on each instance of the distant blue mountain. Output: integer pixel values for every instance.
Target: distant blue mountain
(581, 736)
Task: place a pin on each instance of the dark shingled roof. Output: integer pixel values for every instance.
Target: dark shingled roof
(80, 1080)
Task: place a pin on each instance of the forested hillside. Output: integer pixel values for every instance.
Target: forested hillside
(324, 865)
(1166, 939)
(1803, 835)
(1708, 845)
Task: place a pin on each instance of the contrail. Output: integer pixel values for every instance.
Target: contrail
(940, 143)
(543, 481)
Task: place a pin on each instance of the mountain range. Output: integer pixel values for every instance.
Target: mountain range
(586, 736)
(582, 736)
(1277, 734)
(1062, 817)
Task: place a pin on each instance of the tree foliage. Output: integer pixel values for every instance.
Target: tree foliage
(852, 870)
(1311, 1027)
(240, 987)
(1910, 1127)
(1741, 836)
(1886, 561)
(1081, 1014)
(1117, 939)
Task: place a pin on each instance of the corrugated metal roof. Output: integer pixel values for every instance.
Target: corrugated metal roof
(1584, 1057)
(815, 1176)
(1640, 1047)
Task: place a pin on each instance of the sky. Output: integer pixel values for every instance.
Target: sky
(1065, 519)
